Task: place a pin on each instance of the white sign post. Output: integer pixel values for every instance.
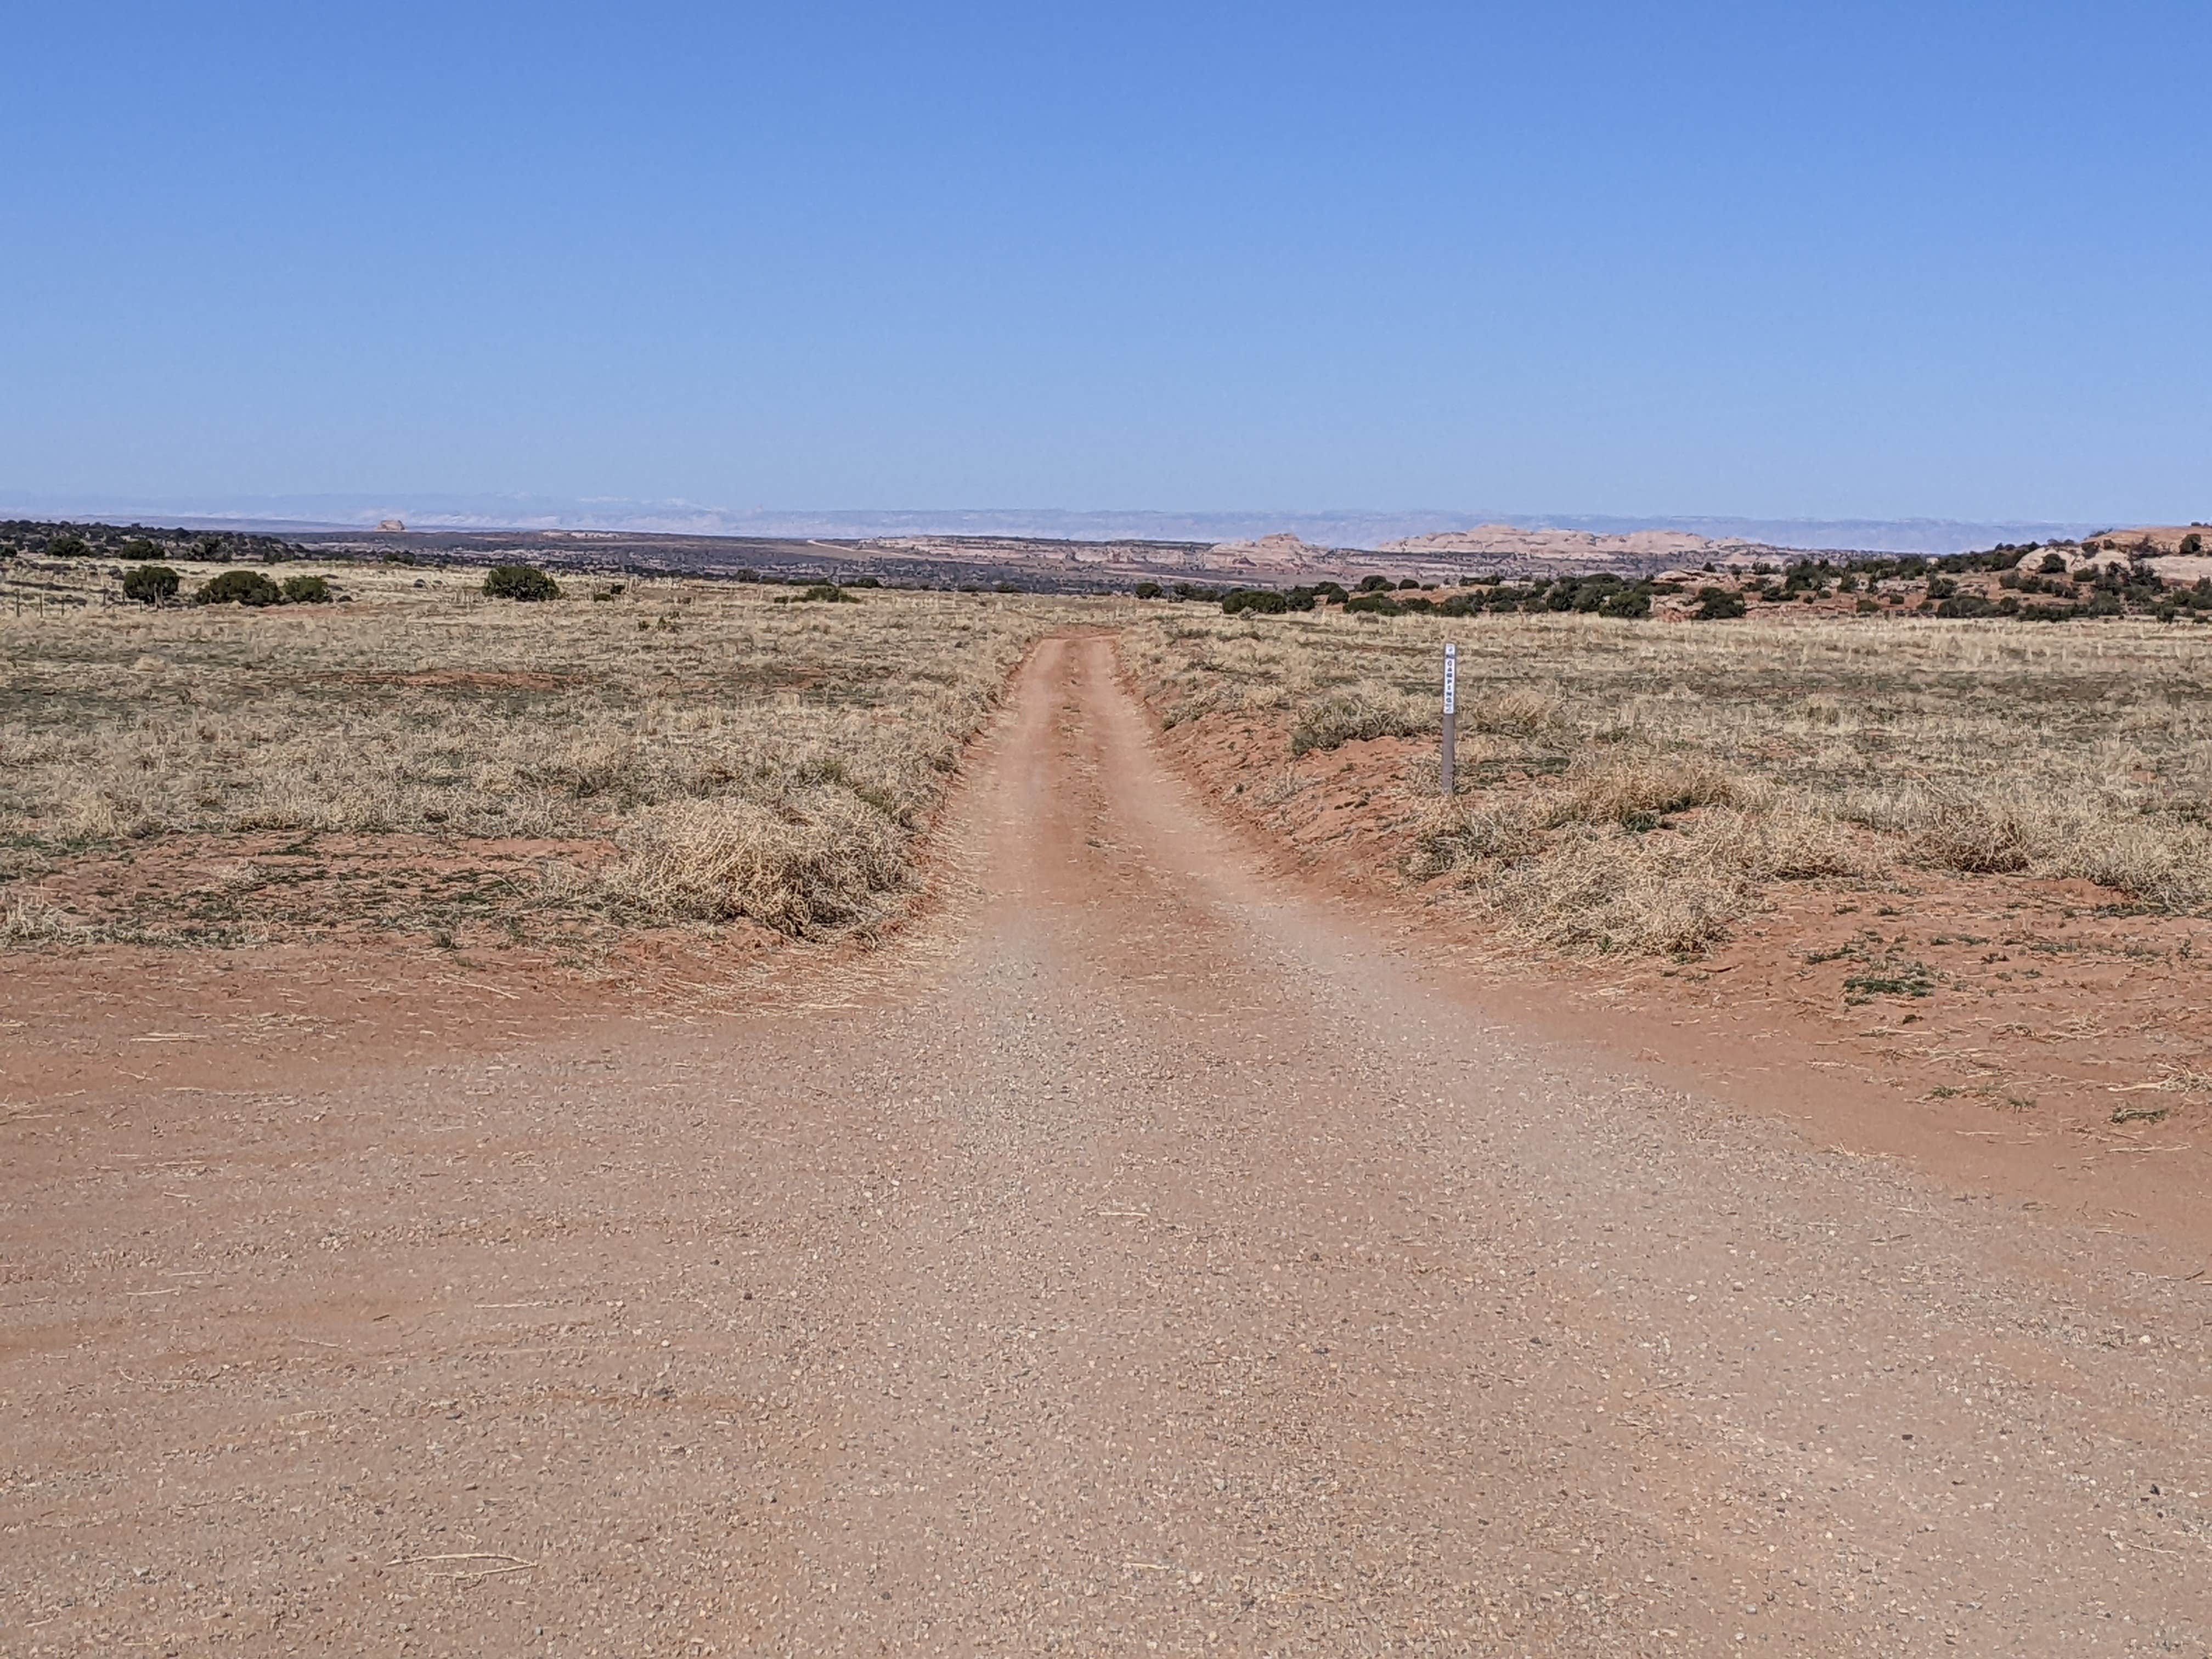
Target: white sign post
(1451, 716)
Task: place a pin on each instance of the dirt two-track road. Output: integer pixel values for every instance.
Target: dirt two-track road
(1139, 1258)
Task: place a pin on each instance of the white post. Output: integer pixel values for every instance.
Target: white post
(1451, 716)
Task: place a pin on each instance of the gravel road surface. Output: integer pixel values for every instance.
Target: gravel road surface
(1139, 1257)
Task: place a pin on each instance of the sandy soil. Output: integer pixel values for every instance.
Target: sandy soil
(1153, 1256)
(2061, 1051)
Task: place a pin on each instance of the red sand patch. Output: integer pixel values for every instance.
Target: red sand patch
(2055, 1008)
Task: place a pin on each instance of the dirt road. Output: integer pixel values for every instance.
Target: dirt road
(1144, 1259)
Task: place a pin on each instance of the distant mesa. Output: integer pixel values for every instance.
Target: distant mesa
(390, 524)
(1579, 546)
(1281, 550)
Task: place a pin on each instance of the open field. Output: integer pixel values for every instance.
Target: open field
(1144, 1256)
(421, 762)
(1971, 858)
(1628, 787)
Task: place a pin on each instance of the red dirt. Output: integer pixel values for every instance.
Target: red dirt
(2056, 1006)
(1148, 1256)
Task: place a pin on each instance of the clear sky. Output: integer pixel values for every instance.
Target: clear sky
(1793, 259)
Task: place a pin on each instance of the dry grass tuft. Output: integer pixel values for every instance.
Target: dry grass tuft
(823, 862)
(29, 917)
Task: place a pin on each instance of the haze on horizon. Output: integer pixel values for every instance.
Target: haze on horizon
(1941, 261)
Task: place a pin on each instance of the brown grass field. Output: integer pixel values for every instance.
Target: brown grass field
(1641, 788)
(1974, 857)
(1960, 861)
(421, 762)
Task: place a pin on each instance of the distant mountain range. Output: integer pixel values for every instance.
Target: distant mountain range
(1344, 529)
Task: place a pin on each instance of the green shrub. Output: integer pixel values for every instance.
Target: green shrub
(1373, 583)
(1265, 600)
(826, 593)
(612, 591)
(1148, 590)
(151, 584)
(1629, 602)
(1717, 605)
(308, 590)
(2192, 545)
(1374, 602)
(138, 548)
(239, 588)
(1892, 976)
(68, 547)
(519, 581)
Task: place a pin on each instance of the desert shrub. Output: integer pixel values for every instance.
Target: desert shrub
(1717, 605)
(149, 584)
(1890, 977)
(1582, 881)
(2052, 564)
(820, 861)
(68, 547)
(306, 590)
(1973, 832)
(824, 593)
(1635, 793)
(1006, 587)
(2006, 829)
(1518, 710)
(1266, 601)
(1148, 590)
(2192, 545)
(1631, 603)
(1372, 601)
(519, 581)
(611, 591)
(1967, 604)
(2165, 864)
(29, 917)
(1373, 583)
(138, 548)
(239, 588)
(1366, 710)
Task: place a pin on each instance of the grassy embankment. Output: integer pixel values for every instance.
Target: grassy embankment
(1636, 787)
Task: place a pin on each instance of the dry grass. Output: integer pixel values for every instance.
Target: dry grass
(689, 751)
(1643, 786)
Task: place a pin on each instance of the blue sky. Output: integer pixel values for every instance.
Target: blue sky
(1797, 259)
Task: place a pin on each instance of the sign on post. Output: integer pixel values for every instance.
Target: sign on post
(1451, 717)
